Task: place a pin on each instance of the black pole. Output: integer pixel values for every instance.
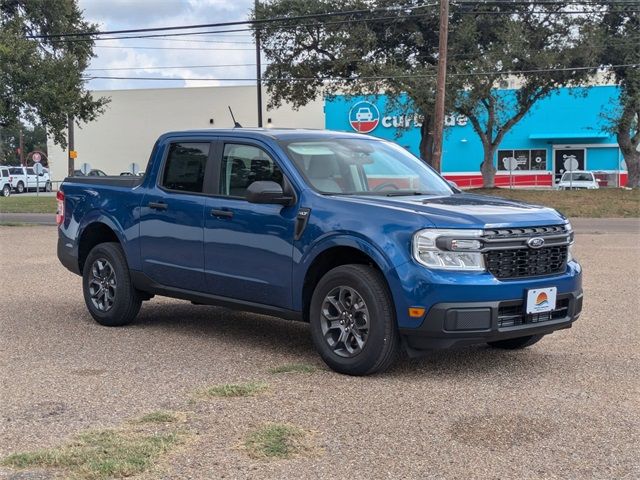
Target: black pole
(258, 67)
(71, 142)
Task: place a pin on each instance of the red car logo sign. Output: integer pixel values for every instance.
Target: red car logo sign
(364, 117)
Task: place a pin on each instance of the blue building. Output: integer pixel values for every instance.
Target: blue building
(565, 130)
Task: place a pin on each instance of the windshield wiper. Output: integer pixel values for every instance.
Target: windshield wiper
(404, 193)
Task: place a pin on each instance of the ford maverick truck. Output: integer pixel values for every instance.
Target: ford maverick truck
(352, 234)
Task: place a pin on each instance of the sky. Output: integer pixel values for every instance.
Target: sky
(221, 53)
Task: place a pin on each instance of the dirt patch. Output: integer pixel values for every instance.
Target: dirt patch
(499, 432)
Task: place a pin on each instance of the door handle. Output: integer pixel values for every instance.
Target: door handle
(221, 213)
(157, 205)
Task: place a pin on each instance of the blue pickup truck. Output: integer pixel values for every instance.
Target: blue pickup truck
(347, 232)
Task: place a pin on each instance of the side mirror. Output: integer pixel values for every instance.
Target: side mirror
(267, 191)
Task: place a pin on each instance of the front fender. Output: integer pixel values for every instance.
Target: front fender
(353, 240)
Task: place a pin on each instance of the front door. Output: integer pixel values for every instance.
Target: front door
(248, 247)
(568, 160)
(172, 218)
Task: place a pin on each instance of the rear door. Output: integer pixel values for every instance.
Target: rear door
(32, 178)
(248, 247)
(172, 216)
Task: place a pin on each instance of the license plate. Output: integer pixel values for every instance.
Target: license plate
(541, 300)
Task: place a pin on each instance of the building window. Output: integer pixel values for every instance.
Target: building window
(522, 160)
(184, 169)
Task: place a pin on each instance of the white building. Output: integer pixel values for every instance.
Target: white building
(134, 119)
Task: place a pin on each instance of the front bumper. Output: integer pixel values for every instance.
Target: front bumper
(467, 323)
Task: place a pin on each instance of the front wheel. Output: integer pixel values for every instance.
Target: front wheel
(110, 296)
(517, 343)
(20, 187)
(353, 322)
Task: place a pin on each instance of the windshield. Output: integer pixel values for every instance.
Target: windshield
(577, 177)
(363, 166)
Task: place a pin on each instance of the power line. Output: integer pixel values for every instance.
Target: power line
(146, 47)
(253, 22)
(374, 77)
(172, 67)
(249, 30)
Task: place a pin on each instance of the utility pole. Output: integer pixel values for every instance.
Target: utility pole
(258, 65)
(71, 152)
(22, 164)
(438, 126)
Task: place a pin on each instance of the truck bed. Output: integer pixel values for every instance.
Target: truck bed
(130, 181)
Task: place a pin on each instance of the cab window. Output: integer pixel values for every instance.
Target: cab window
(244, 164)
(185, 167)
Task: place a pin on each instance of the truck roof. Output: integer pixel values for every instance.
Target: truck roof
(272, 133)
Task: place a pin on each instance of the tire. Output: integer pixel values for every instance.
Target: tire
(373, 323)
(118, 302)
(516, 343)
(20, 187)
(47, 187)
(6, 191)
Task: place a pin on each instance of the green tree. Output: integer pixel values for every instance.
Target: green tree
(536, 47)
(34, 138)
(619, 36)
(41, 79)
(396, 52)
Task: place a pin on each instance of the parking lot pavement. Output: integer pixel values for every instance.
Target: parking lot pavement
(569, 407)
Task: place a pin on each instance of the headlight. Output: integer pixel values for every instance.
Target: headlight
(570, 253)
(449, 249)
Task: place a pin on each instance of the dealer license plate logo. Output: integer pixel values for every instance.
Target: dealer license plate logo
(541, 300)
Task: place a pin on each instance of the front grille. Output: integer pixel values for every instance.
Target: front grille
(507, 254)
(526, 262)
(512, 314)
(524, 231)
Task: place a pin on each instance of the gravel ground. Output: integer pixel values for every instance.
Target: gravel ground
(569, 407)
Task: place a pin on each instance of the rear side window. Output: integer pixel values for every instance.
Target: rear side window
(31, 171)
(5, 173)
(185, 166)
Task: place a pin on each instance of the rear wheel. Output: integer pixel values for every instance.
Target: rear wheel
(47, 187)
(109, 294)
(6, 191)
(517, 343)
(353, 323)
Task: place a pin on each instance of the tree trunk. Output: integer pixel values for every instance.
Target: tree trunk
(487, 168)
(629, 147)
(426, 139)
(632, 159)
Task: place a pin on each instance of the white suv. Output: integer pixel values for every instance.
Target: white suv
(5, 181)
(24, 179)
(578, 179)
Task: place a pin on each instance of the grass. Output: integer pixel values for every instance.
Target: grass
(605, 202)
(275, 441)
(235, 390)
(100, 454)
(159, 416)
(22, 204)
(293, 368)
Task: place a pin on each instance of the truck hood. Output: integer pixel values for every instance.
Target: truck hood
(463, 210)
